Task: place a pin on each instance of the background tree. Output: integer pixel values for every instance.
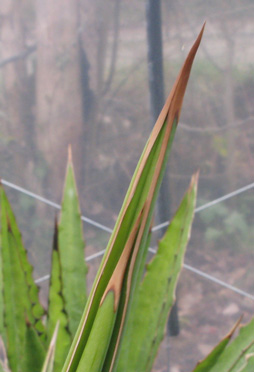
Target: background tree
(17, 125)
(77, 72)
(59, 112)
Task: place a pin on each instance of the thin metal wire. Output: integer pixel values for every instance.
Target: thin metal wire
(89, 258)
(156, 228)
(187, 267)
(213, 279)
(210, 130)
(210, 204)
(52, 204)
(42, 279)
(106, 228)
(218, 281)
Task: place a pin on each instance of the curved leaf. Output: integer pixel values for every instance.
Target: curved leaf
(95, 352)
(249, 364)
(56, 309)
(48, 365)
(234, 355)
(211, 360)
(71, 248)
(34, 351)
(20, 293)
(141, 196)
(154, 297)
(2, 330)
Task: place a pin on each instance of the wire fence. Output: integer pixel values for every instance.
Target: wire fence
(155, 228)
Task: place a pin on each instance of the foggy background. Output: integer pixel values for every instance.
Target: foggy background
(77, 72)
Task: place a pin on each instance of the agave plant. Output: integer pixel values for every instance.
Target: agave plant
(120, 325)
(237, 356)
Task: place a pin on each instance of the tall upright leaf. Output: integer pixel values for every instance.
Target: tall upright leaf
(138, 205)
(33, 351)
(71, 248)
(2, 331)
(20, 293)
(57, 309)
(48, 365)
(152, 302)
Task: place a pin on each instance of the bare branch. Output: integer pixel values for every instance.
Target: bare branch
(19, 56)
(236, 124)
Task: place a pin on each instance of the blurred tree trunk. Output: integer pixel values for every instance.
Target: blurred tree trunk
(100, 23)
(156, 88)
(16, 115)
(100, 40)
(58, 92)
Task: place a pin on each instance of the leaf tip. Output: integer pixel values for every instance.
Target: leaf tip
(236, 325)
(69, 154)
(173, 105)
(185, 72)
(194, 182)
(197, 42)
(195, 177)
(202, 30)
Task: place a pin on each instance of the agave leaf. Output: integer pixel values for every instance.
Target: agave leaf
(152, 303)
(211, 360)
(48, 365)
(140, 199)
(20, 293)
(100, 336)
(71, 248)
(249, 364)
(3, 368)
(233, 357)
(94, 354)
(124, 286)
(56, 309)
(33, 351)
(144, 260)
(171, 111)
(3, 357)
(2, 330)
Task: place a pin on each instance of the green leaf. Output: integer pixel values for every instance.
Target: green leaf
(233, 357)
(249, 364)
(3, 359)
(95, 352)
(211, 360)
(56, 309)
(134, 219)
(2, 330)
(34, 351)
(71, 248)
(152, 302)
(20, 293)
(48, 365)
